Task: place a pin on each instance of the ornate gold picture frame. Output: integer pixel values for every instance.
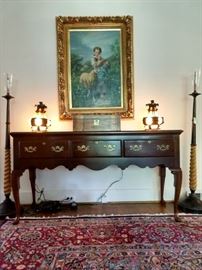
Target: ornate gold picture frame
(95, 65)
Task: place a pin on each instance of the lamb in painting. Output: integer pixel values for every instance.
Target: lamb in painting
(88, 79)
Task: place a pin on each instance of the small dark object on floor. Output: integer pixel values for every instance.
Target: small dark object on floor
(54, 206)
(73, 205)
(48, 206)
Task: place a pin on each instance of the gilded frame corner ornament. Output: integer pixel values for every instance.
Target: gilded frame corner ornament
(71, 33)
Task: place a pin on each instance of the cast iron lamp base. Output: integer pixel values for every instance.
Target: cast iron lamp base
(7, 208)
(191, 204)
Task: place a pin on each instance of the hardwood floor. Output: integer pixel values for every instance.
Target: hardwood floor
(104, 209)
(101, 209)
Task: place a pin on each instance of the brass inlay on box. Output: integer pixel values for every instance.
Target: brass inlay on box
(57, 148)
(30, 149)
(163, 147)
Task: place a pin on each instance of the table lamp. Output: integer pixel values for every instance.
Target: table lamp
(39, 122)
(152, 120)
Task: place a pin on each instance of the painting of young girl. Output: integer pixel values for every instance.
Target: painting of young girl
(95, 65)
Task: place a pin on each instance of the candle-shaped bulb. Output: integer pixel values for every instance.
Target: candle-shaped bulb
(9, 79)
(195, 80)
(199, 76)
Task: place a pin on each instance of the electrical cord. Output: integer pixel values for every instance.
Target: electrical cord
(106, 190)
(41, 192)
(52, 206)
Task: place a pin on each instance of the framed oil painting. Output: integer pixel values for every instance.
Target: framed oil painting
(95, 65)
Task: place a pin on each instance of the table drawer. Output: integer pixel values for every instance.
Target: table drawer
(42, 149)
(148, 148)
(98, 148)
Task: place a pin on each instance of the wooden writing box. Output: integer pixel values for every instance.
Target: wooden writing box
(99, 122)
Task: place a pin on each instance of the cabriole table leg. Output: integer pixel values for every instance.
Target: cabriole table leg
(15, 187)
(177, 183)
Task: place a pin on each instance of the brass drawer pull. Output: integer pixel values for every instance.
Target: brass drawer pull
(57, 148)
(30, 149)
(83, 148)
(163, 147)
(136, 147)
(110, 147)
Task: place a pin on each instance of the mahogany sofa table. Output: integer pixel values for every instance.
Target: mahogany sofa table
(96, 150)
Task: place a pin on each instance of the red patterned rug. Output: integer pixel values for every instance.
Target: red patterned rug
(102, 243)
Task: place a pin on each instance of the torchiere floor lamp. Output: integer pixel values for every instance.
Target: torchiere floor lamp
(7, 207)
(192, 204)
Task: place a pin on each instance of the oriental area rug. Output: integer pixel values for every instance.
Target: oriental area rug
(141, 242)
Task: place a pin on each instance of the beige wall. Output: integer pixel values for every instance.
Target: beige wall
(167, 50)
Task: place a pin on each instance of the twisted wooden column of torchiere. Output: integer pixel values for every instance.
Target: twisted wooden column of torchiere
(7, 207)
(192, 203)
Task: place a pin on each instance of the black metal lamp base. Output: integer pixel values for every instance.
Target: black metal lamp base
(191, 204)
(7, 208)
